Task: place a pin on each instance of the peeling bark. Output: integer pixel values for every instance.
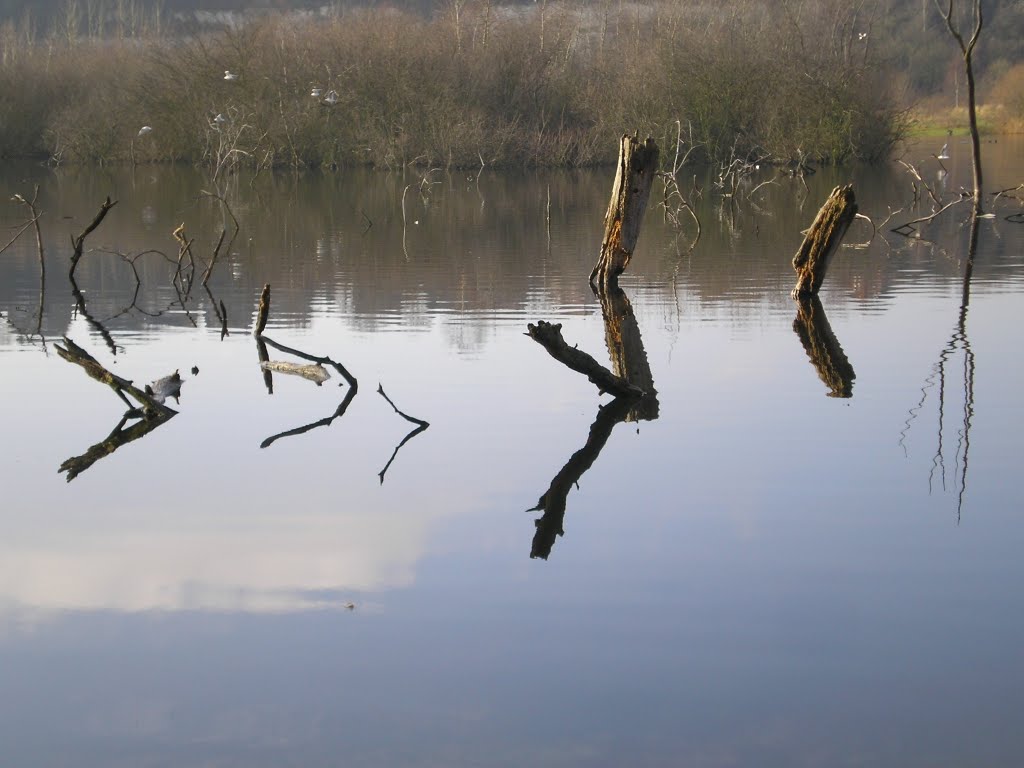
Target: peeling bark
(637, 166)
(822, 241)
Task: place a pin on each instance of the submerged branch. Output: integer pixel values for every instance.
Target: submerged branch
(549, 336)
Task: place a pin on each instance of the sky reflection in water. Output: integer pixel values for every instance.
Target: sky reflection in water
(763, 575)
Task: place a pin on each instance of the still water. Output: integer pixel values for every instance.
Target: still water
(799, 558)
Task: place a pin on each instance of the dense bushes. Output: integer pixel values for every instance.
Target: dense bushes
(549, 85)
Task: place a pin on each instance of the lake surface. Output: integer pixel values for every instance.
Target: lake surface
(793, 559)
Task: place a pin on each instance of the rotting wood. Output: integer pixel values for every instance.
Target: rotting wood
(823, 348)
(627, 353)
(78, 243)
(634, 175)
(263, 312)
(549, 336)
(75, 354)
(823, 240)
(353, 387)
(313, 372)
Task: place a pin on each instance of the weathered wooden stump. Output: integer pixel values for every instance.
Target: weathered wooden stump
(823, 240)
(638, 164)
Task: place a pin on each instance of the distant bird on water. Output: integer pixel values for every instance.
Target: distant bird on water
(145, 129)
(229, 75)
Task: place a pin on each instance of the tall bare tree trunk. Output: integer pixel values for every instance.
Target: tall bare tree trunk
(967, 50)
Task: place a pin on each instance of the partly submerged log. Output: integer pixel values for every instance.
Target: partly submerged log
(823, 348)
(627, 353)
(549, 336)
(353, 386)
(313, 372)
(638, 164)
(122, 387)
(822, 241)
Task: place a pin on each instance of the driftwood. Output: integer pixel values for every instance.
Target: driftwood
(78, 243)
(823, 240)
(263, 312)
(313, 372)
(823, 348)
(637, 167)
(261, 344)
(151, 415)
(549, 336)
(550, 525)
(122, 387)
(626, 350)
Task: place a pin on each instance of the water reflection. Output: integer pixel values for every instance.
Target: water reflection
(353, 386)
(629, 363)
(957, 342)
(822, 347)
(550, 525)
(151, 413)
(626, 350)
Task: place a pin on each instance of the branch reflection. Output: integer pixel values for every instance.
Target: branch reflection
(958, 342)
(150, 414)
(553, 500)
(261, 345)
(823, 348)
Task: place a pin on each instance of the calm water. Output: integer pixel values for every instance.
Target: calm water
(776, 571)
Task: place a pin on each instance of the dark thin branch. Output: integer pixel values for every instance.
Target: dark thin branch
(421, 425)
(79, 242)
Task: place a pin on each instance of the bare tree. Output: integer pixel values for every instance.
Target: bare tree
(967, 49)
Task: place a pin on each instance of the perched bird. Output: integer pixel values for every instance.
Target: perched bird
(331, 98)
(219, 120)
(145, 129)
(229, 75)
(944, 152)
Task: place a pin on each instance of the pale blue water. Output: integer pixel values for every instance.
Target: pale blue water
(762, 576)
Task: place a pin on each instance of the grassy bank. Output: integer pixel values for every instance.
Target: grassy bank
(547, 86)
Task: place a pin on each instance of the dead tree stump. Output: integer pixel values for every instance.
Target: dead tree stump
(823, 240)
(638, 164)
